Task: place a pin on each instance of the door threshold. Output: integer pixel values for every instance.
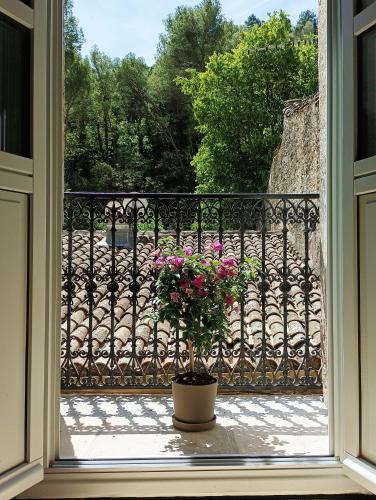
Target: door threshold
(204, 461)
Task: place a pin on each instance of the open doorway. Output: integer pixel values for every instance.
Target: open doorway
(244, 122)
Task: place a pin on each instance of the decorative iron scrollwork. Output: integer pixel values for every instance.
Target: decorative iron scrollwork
(108, 339)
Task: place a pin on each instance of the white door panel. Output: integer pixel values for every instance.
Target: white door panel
(13, 317)
(367, 324)
(357, 167)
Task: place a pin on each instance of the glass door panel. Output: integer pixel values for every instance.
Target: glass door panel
(15, 87)
(367, 94)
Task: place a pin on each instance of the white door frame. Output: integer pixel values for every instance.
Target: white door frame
(342, 230)
(355, 179)
(206, 477)
(24, 175)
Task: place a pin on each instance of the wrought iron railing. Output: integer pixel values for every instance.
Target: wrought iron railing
(108, 339)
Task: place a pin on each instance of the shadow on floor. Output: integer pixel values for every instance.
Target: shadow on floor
(138, 425)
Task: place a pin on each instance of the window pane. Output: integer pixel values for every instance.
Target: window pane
(27, 2)
(15, 90)
(362, 4)
(367, 94)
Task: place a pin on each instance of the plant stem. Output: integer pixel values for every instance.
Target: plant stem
(191, 358)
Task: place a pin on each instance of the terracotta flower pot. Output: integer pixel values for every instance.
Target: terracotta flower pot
(194, 406)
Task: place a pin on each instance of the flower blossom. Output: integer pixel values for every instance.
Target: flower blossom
(222, 272)
(179, 261)
(202, 293)
(157, 252)
(189, 291)
(217, 246)
(175, 261)
(228, 262)
(160, 262)
(188, 251)
(232, 272)
(184, 284)
(198, 281)
(205, 262)
(229, 300)
(174, 296)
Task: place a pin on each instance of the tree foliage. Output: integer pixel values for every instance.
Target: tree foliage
(238, 102)
(131, 127)
(252, 21)
(307, 24)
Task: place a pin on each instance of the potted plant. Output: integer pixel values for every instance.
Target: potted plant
(196, 294)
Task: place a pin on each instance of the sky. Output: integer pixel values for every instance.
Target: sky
(118, 27)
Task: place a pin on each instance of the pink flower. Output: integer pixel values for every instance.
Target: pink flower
(189, 291)
(232, 272)
(217, 246)
(188, 251)
(175, 261)
(184, 284)
(157, 252)
(229, 300)
(238, 308)
(205, 262)
(222, 272)
(202, 293)
(159, 262)
(174, 296)
(198, 282)
(229, 262)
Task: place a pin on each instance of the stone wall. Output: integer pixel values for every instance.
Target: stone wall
(299, 166)
(296, 165)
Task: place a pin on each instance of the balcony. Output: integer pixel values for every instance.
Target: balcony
(108, 339)
(117, 365)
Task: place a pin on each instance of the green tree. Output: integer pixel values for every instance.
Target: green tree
(238, 102)
(133, 158)
(252, 21)
(77, 98)
(192, 35)
(120, 119)
(307, 24)
(129, 127)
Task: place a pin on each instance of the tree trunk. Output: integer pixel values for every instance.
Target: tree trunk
(191, 357)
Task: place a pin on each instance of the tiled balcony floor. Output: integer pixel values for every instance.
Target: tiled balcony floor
(136, 426)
